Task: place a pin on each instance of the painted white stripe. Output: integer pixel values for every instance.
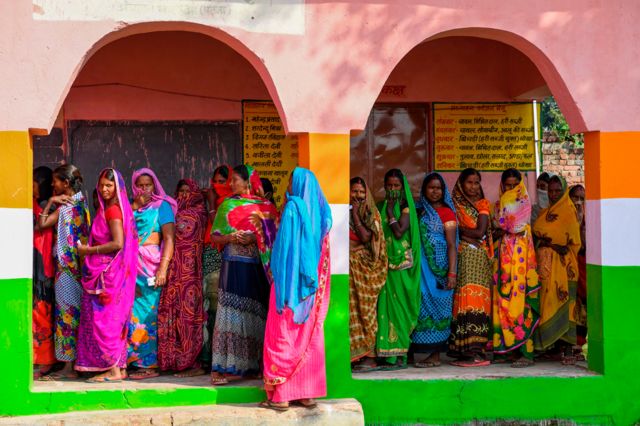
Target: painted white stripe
(16, 247)
(613, 232)
(339, 239)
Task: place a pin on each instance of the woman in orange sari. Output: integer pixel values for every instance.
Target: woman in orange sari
(472, 296)
(557, 232)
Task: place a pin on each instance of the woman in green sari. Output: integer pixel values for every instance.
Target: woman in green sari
(399, 300)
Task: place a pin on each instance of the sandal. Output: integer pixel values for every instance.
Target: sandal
(192, 372)
(103, 379)
(476, 361)
(277, 406)
(57, 377)
(144, 374)
(306, 403)
(400, 365)
(522, 363)
(427, 364)
(219, 381)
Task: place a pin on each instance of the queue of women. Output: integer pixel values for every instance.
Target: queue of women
(215, 280)
(452, 273)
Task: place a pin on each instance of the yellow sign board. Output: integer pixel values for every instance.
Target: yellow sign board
(266, 147)
(490, 137)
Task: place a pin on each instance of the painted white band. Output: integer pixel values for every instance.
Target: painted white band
(339, 239)
(613, 232)
(16, 248)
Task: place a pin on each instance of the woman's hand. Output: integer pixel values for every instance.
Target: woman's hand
(141, 201)
(245, 238)
(83, 249)
(561, 250)
(161, 277)
(62, 199)
(451, 282)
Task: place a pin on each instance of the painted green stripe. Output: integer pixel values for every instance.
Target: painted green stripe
(613, 295)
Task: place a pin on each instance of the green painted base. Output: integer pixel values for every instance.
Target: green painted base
(614, 349)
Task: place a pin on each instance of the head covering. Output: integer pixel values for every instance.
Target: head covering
(432, 235)
(158, 195)
(194, 199)
(255, 184)
(108, 273)
(370, 217)
(467, 213)
(306, 220)
(222, 190)
(514, 209)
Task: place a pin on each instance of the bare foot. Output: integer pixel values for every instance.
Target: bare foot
(192, 372)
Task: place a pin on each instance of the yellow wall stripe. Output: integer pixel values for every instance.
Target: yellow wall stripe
(16, 174)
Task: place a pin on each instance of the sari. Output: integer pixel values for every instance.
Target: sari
(73, 225)
(243, 291)
(558, 273)
(211, 264)
(294, 361)
(43, 274)
(181, 314)
(399, 300)
(367, 274)
(434, 320)
(109, 283)
(143, 327)
(472, 296)
(516, 305)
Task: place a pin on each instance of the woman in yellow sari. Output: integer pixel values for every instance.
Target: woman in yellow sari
(557, 233)
(515, 292)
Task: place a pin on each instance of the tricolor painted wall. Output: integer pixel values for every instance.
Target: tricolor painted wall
(324, 64)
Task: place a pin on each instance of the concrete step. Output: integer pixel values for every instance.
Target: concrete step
(335, 412)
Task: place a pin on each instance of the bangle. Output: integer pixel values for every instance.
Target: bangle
(392, 221)
(97, 249)
(212, 211)
(165, 258)
(43, 215)
(452, 275)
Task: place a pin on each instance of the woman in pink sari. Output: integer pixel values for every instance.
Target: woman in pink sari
(108, 280)
(294, 365)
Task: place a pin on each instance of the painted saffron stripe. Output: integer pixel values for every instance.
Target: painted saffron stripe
(16, 172)
(607, 174)
(339, 239)
(613, 232)
(16, 249)
(329, 157)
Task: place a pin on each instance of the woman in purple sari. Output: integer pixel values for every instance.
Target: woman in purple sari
(108, 280)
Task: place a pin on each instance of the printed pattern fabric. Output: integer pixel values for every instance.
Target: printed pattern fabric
(238, 335)
(515, 294)
(73, 226)
(180, 314)
(211, 264)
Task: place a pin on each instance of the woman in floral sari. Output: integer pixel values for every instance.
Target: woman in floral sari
(439, 234)
(220, 189)
(367, 275)
(72, 221)
(557, 233)
(399, 301)
(245, 226)
(109, 277)
(294, 362)
(516, 305)
(181, 315)
(43, 273)
(472, 295)
(154, 213)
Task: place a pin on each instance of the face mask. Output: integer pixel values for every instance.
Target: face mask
(543, 198)
(221, 189)
(393, 194)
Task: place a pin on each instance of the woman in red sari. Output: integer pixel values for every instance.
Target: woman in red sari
(181, 314)
(43, 273)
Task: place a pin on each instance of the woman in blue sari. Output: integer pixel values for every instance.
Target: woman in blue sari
(154, 212)
(439, 237)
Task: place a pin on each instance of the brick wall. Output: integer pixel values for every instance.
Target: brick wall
(563, 158)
